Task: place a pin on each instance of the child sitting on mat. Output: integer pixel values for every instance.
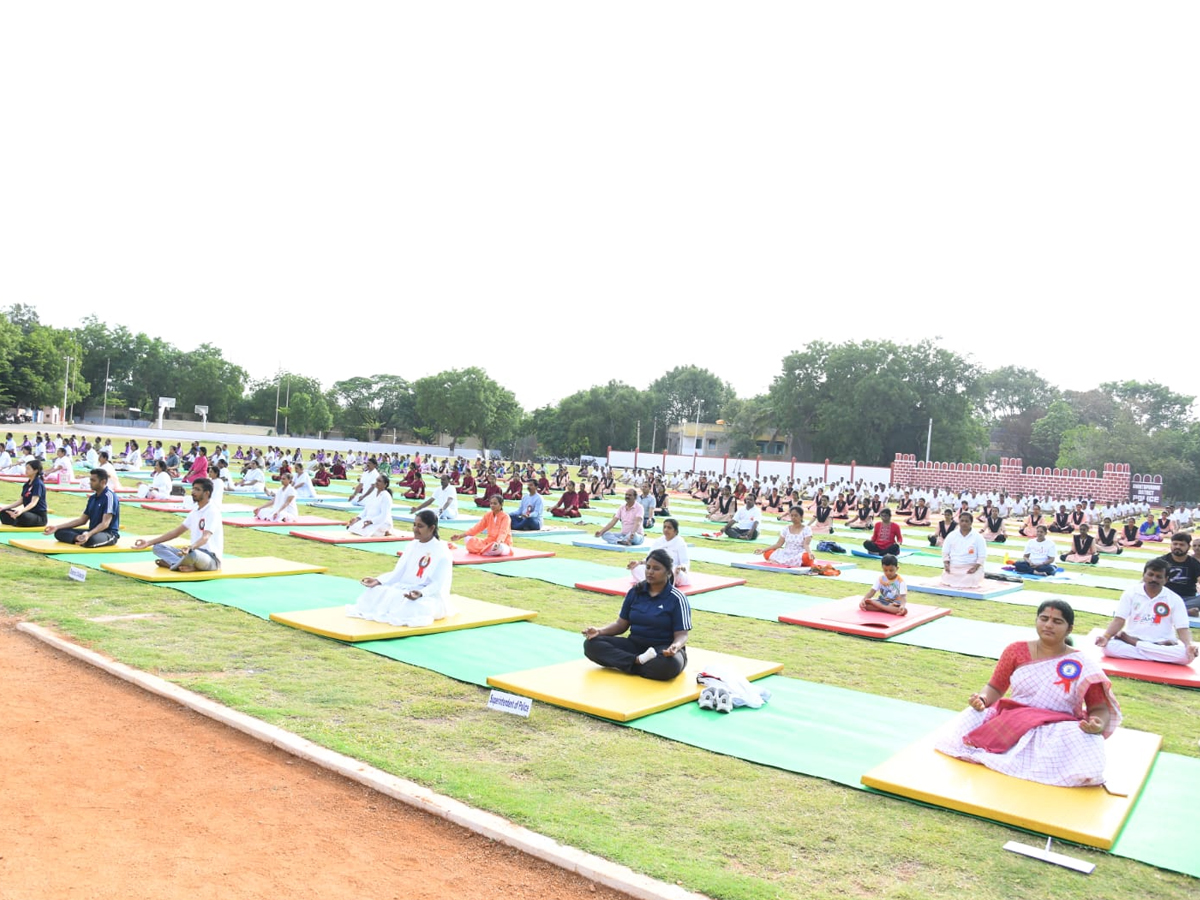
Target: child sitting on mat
(892, 591)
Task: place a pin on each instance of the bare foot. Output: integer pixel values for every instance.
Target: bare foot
(186, 569)
(162, 564)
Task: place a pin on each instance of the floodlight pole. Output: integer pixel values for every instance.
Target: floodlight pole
(66, 374)
(104, 415)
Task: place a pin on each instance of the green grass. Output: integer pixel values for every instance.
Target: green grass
(719, 825)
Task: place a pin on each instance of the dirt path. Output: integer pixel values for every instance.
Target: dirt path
(106, 791)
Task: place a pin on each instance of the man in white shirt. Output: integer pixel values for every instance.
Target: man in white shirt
(444, 501)
(744, 526)
(1151, 622)
(206, 536)
(1040, 554)
(963, 554)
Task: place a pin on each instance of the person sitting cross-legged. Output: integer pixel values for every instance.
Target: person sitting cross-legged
(886, 537)
(206, 536)
(658, 618)
(102, 516)
(1040, 554)
(1151, 622)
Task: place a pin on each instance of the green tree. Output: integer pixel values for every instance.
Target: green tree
(1150, 404)
(208, 379)
(39, 366)
(110, 352)
(1011, 391)
(685, 391)
(1048, 431)
(746, 420)
(590, 421)
(868, 401)
(464, 403)
(10, 343)
(372, 406)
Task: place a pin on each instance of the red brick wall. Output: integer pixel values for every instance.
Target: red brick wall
(1110, 485)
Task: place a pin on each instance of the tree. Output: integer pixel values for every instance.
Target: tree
(10, 342)
(371, 406)
(685, 391)
(746, 420)
(110, 352)
(464, 403)
(1093, 407)
(1151, 405)
(1010, 391)
(1048, 431)
(591, 421)
(208, 379)
(868, 401)
(155, 373)
(24, 316)
(39, 366)
(258, 403)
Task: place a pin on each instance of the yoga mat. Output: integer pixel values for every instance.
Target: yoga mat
(97, 560)
(846, 617)
(582, 685)
(301, 521)
(989, 591)
(47, 545)
(475, 653)
(1140, 670)
(757, 563)
(901, 555)
(601, 544)
(969, 637)
(276, 593)
(1153, 833)
(244, 567)
(814, 729)
(699, 583)
(564, 572)
(333, 621)
(1086, 815)
(752, 602)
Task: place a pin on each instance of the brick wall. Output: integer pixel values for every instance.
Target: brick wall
(1110, 485)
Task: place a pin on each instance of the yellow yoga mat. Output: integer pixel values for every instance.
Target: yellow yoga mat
(333, 622)
(50, 545)
(241, 567)
(9, 529)
(1086, 815)
(610, 694)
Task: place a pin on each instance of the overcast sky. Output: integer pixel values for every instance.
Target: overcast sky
(576, 193)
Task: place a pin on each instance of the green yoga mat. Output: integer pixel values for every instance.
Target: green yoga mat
(280, 593)
(1155, 832)
(564, 572)
(96, 560)
(752, 602)
(814, 729)
(969, 637)
(472, 654)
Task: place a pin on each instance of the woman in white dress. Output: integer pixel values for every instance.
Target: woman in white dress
(676, 548)
(793, 542)
(61, 472)
(417, 592)
(282, 507)
(375, 520)
(159, 487)
(302, 482)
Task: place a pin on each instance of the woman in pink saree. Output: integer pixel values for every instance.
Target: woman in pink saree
(1052, 728)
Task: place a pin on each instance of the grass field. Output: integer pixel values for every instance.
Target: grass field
(710, 823)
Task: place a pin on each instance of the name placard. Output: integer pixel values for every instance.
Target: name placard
(75, 573)
(510, 703)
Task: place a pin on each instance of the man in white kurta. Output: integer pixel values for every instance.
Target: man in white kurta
(963, 555)
(444, 501)
(1151, 622)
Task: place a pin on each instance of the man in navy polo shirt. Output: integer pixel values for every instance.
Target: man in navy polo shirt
(102, 515)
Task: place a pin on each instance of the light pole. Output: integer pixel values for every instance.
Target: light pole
(699, 403)
(104, 415)
(66, 374)
(278, 380)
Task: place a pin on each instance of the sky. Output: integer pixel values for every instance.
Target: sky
(567, 193)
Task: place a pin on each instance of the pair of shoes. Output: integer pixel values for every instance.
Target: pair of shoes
(717, 699)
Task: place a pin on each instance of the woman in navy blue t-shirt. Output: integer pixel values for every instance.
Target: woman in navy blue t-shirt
(658, 618)
(30, 510)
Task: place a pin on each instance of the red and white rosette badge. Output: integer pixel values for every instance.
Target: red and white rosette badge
(1068, 671)
(421, 564)
(1161, 611)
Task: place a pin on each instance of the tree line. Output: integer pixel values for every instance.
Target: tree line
(862, 400)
